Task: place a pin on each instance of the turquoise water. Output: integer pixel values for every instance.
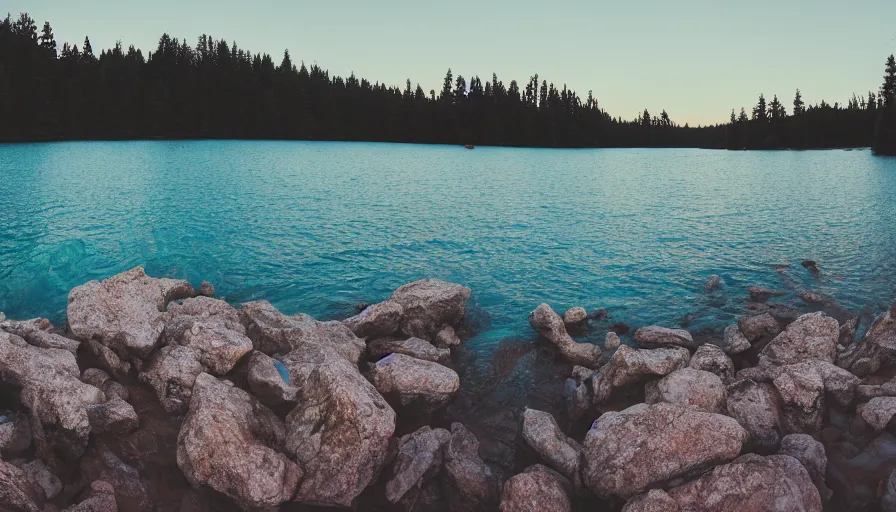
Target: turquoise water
(321, 227)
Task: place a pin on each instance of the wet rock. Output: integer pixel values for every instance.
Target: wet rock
(733, 341)
(115, 416)
(413, 382)
(812, 456)
(801, 389)
(811, 298)
(15, 433)
(534, 491)
(377, 321)
(107, 358)
(340, 431)
(469, 483)
(810, 265)
(40, 333)
(419, 459)
(95, 377)
(811, 336)
(848, 332)
(268, 383)
(207, 289)
(112, 389)
(715, 282)
(47, 481)
(447, 337)
(274, 333)
(658, 337)
(171, 374)
(712, 359)
(756, 407)
(760, 294)
(751, 483)
(230, 442)
(688, 387)
(599, 314)
(124, 312)
(646, 446)
(52, 390)
(549, 325)
(877, 347)
(611, 342)
(413, 347)
(879, 411)
(754, 327)
(654, 500)
(429, 305)
(543, 435)
(630, 366)
(19, 492)
(575, 316)
(100, 499)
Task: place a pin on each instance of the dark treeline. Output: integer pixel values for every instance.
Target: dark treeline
(218, 90)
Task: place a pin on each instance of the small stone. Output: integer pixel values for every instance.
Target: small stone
(611, 342)
(879, 411)
(447, 337)
(575, 316)
(811, 298)
(599, 314)
(113, 389)
(712, 359)
(534, 491)
(733, 341)
(715, 282)
(755, 327)
(760, 294)
(655, 336)
(115, 416)
(207, 289)
(95, 377)
(47, 480)
(414, 347)
(810, 265)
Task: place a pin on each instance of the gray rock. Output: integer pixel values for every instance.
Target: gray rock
(733, 341)
(95, 377)
(52, 390)
(49, 482)
(377, 321)
(534, 491)
(688, 387)
(239, 457)
(879, 411)
(266, 382)
(751, 483)
(413, 347)
(19, 492)
(712, 359)
(577, 397)
(100, 499)
(612, 342)
(756, 407)
(414, 382)
(115, 416)
(811, 336)
(542, 434)
(447, 337)
(124, 312)
(575, 316)
(754, 327)
(15, 433)
(655, 336)
(419, 459)
(848, 332)
(630, 366)
(647, 446)
(429, 305)
(549, 325)
(714, 283)
(207, 289)
(812, 456)
(469, 483)
(171, 374)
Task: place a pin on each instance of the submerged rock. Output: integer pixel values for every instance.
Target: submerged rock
(230, 442)
(754, 327)
(413, 347)
(760, 294)
(712, 359)
(549, 325)
(756, 407)
(469, 483)
(630, 366)
(377, 321)
(419, 459)
(811, 298)
(715, 282)
(575, 316)
(542, 434)
(688, 387)
(534, 491)
(124, 312)
(429, 305)
(414, 382)
(647, 446)
(655, 336)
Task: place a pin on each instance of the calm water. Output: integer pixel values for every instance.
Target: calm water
(319, 227)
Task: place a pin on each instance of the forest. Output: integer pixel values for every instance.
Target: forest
(217, 90)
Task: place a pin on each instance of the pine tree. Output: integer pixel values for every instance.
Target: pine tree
(645, 118)
(47, 41)
(285, 64)
(447, 95)
(87, 51)
(733, 117)
(799, 108)
(888, 91)
(759, 112)
(742, 118)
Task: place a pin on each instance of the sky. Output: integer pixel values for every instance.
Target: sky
(697, 59)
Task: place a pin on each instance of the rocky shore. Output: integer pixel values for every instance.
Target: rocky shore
(156, 396)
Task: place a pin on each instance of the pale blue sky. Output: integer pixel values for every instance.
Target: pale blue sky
(698, 59)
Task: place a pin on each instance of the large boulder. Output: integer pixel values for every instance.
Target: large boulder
(549, 325)
(19, 492)
(630, 366)
(713, 359)
(230, 442)
(53, 392)
(751, 483)
(416, 383)
(877, 347)
(339, 432)
(414, 347)
(812, 456)
(647, 446)
(470, 484)
(879, 411)
(377, 321)
(269, 381)
(655, 336)
(688, 387)
(542, 434)
(274, 333)
(40, 333)
(419, 459)
(172, 373)
(115, 416)
(212, 329)
(428, 305)
(575, 316)
(125, 311)
(534, 491)
(801, 389)
(811, 336)
(754, 327)
(755, 405)
(654, 500)
(733, 341)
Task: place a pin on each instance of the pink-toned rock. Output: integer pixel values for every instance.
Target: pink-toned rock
(468, 482)
(754, 327)
(419, 459)
(548, 324)
(542, 434)
(655, 336)
(877, 347)
(812, 456)
(575, 316)
(688, 387)
(414, 347)
(18, 492)
(713, 359)
(801, 389)
(430, 304)
(811, 336)
(534, 491)
(879, 411)
(377, 321)
(100, 499)
(630, 366)
(654, 500)
(756, 407)
(40, 333)
(414, 382)
(171, 373)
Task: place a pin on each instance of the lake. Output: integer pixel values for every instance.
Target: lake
(321, 227)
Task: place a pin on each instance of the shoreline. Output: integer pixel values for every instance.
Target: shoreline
(114, 406)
